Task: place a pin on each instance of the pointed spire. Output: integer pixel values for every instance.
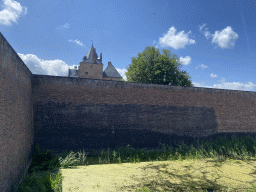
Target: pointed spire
(93, 56)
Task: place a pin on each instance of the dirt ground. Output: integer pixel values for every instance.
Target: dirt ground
(162, 175)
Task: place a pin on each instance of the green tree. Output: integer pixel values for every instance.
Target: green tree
(152, 67)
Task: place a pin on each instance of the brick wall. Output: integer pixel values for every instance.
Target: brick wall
(16, 118)
(76, 113)
(73, 113)
(112, 78)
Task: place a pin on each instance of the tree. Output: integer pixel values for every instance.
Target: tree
(152, 67)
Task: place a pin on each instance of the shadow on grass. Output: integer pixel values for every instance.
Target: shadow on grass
(43, 173)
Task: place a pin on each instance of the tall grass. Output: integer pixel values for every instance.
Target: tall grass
(43, 174)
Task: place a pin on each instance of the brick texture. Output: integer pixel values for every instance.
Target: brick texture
(77, 113)
(16, 118)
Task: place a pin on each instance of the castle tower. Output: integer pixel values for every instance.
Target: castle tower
(91, 66)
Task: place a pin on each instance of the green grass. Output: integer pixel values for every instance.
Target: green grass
(43, 174)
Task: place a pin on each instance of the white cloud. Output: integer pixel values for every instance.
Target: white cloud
(202, 66)
(200, 28)
(212, 75)
(122, 73)
(185, 61)
(45, 67)
(11, 12)
(233, 86)
(206, 33)
(227, 85)
(222, 79)
(77, 42)
(225, 38)
(64, 26)
(175, 41)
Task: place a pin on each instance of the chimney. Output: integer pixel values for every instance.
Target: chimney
(109, 63)
(75, 67)
(101, 57)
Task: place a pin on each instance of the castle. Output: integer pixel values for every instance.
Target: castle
(64, 113)
(92, 66)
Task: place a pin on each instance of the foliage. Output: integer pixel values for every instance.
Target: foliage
(152, 67)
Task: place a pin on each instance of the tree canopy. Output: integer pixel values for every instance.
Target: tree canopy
(152, 67)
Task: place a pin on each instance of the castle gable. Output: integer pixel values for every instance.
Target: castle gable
(72, 73)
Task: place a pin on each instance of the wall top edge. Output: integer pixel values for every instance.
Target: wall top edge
(137, 84)
(17, 56)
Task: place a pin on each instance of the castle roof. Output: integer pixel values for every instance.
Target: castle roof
(110, 71)
(89, 56)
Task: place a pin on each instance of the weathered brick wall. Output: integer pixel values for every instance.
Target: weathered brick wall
(73, 113)
(16, 118)
(112, 78)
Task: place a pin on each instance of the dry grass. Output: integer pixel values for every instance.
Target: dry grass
(43, 174)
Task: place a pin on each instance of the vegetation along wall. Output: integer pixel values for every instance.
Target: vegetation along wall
(16, 118)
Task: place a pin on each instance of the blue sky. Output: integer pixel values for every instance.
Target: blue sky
(215, 40)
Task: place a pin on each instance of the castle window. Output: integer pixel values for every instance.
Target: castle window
(91, 65)
(86, 73)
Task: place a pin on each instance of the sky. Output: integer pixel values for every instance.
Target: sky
(215, 40)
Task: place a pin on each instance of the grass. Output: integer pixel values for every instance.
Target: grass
(43, 174)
